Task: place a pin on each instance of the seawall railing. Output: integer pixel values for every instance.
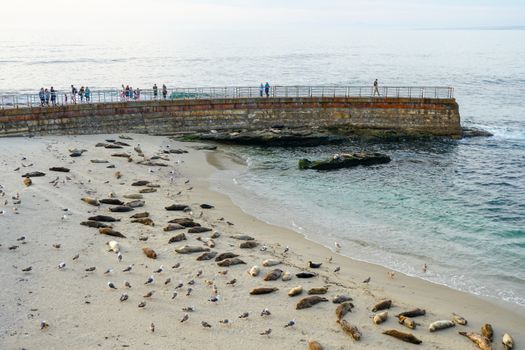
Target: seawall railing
(64, 97)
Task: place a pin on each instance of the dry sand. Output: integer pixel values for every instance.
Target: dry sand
(83, 313)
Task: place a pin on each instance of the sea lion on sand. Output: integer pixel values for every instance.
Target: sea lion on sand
(199, 229)
(207, 256)
(286, 276)
(230, 262)
(99, 161)
(439, 325)
(380, 317)
(406, 337)
(59, 169)
(226, 255)
(248, 245)
(305, 275)
(308, 302)
(173, 227)
(122, 155)
(110, 232)
(150, 253)
(508, 342)
(481, 341)
(140, 183)
(314, 345)
(350, 329)
(121, 209)
(341, 299)
(34, 174)
(254, 271)
(94, 224)
(144, 221)
(407, 322)
(295, 291)
(412, 313)
(177, 207)
(273, 275)
(111, 201)
(90, 201)
(459, 320)
(186, 222)
(136, 203)
(343, 309)
(148, 190)
(207, 206)
(263, 290)
(140, 215)
(487, 331)
(385, 304)
(27, 181)
(188, 249)
(113, 246)
(177, 238)
(271, 262)
(103, 218)
(243, 237)
(314, 291)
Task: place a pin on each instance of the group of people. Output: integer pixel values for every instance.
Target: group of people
(47, 95)
(264, 89)
(82, 94)
(164, 91)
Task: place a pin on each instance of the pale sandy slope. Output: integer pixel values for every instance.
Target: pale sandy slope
(83, 313)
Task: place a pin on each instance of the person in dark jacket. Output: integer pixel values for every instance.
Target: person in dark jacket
(42, 96)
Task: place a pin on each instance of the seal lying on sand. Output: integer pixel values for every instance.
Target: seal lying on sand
(407, 337)
(350, 329)
(308, 302)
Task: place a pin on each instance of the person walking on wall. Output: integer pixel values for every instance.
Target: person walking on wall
(42, 96)
(87, 94)
(376, 88)
(164, 91)
(73, 94)
(53, 96)
(155, 91)
(267, 89)
(261, 90)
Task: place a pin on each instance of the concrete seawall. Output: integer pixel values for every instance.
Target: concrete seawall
(438, 117)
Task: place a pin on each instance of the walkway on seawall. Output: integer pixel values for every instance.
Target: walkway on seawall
(410, 110)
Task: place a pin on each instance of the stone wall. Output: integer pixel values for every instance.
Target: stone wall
(411, 116)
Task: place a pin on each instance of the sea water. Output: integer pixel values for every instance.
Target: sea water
(456, 205)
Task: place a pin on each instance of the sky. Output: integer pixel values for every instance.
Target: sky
(150, 17)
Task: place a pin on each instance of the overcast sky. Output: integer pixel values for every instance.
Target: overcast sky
(82, 17)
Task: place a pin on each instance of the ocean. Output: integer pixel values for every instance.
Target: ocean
(456, 205)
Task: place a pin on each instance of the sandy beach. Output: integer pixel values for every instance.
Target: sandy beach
(81, 312)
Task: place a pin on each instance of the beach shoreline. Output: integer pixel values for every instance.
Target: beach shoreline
(107, 324)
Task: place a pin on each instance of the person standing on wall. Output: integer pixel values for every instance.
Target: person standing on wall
(155, 91)
(42, 96)
(376, 88)
(164, 91)
(267, 89)
(53, 96)
(87, 94)
(261, 90)
(81, 94)
(47, 96)
(73, 94)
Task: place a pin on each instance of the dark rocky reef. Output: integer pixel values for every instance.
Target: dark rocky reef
(475, 132)
(274, 137)
(345, 160)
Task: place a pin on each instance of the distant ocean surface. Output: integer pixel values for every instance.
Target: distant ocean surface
(456, 205)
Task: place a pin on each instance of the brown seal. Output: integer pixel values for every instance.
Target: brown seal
(230, 262)
(406, 337)
(263, 290)
(94, 224)
(487, 331)
(322, 290)
(308, 302)
(412, 313)
(350, 329)
(140, 215)
(226, 255)
(480, 340)
(407, 322)
(385, 304)
(121, 209)
(207, 256)
(273, 275)
(150, 253)
(199, 229)
(314, 345)
(188, 249)
(111, 201)
(177, 238)
(110, 232)
(103, 218)
(248, 244)
(144, 221)
(173, 227)
(90, 201)
(343, 309)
